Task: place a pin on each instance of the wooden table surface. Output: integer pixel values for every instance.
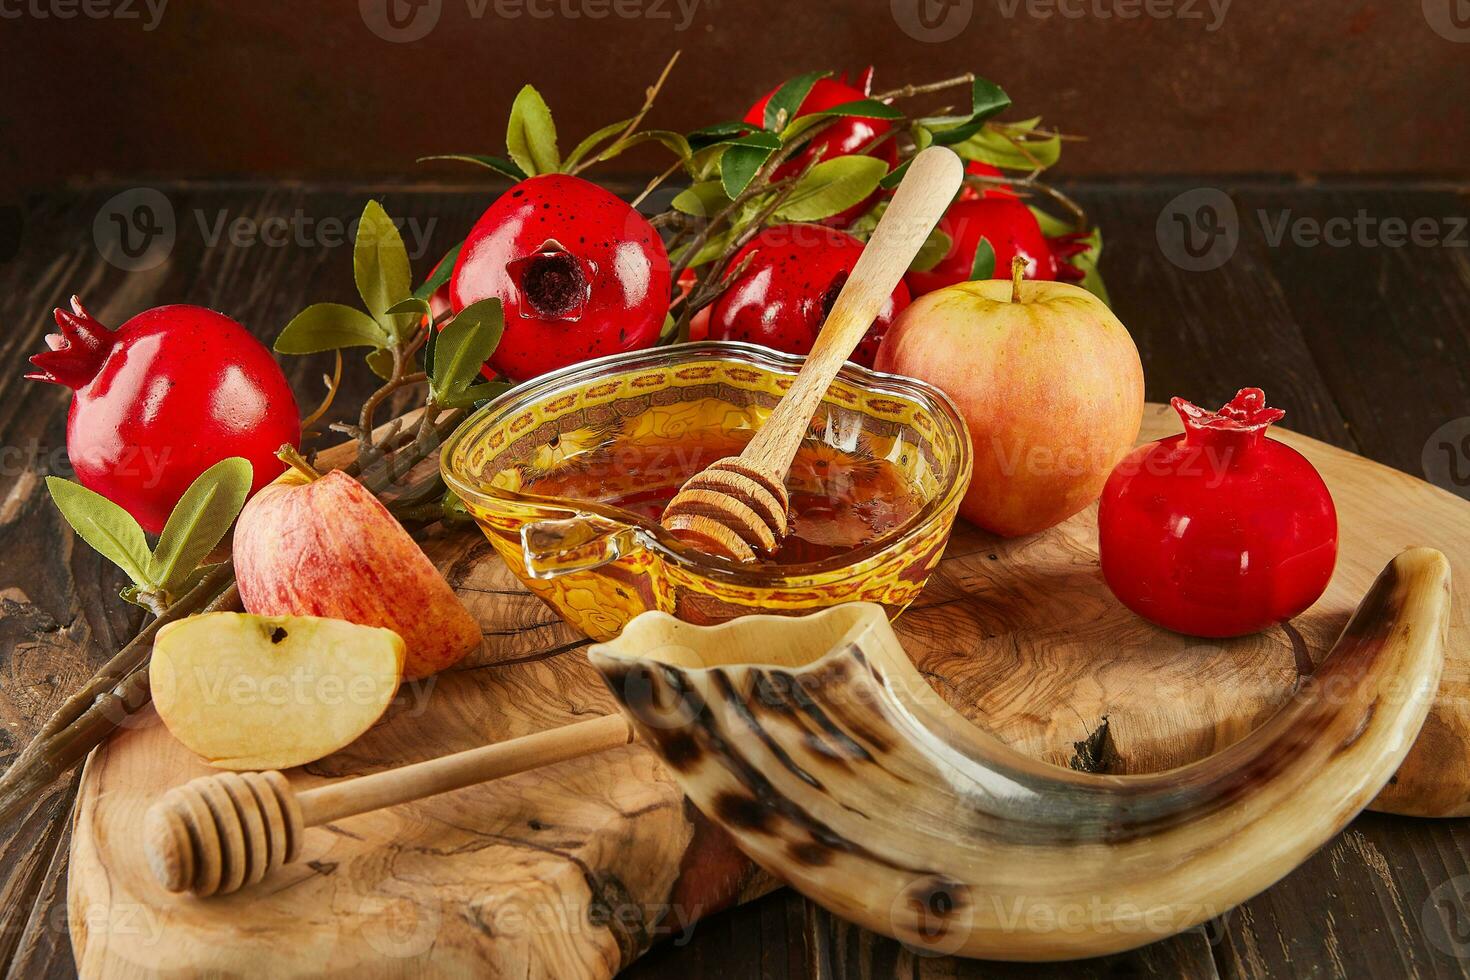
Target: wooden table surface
(1348, 302)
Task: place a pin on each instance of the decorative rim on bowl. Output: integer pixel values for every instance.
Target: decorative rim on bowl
(654, 536)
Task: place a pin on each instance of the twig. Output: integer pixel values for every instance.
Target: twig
(673, 167)
(334, 383)
(649, 96)
(909, 91)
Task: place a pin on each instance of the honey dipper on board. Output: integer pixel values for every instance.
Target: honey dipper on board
(737, 506)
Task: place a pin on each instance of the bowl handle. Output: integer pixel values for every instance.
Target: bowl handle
(551, 549)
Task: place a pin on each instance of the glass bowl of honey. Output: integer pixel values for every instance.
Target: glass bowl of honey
(567, 476)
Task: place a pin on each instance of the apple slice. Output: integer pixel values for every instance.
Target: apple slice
(271, 692)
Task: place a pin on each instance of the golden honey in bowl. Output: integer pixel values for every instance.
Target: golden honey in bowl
(567, 475)
(840, 500)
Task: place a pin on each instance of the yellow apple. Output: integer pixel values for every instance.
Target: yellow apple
(271, 692)
(1048, 381)
(325, 546)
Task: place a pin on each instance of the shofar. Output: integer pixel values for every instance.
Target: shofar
(821, 749)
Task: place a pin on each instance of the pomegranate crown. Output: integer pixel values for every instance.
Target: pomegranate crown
(76, 352)
(1246, 413)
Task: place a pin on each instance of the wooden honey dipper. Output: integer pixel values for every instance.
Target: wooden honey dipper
(737, 506)
(218, 833)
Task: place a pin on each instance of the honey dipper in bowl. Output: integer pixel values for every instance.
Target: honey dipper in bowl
(737, 506)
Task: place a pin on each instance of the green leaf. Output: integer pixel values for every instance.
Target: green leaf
(380, 264)
(711, 250)
(381, 363)
(718, 133)
(831, 187)
(674, 142)
(593, 141)
(330, 326)
(198, 521)
(935, 248)
(531, 135)
(703, 200)
(462, 348)
(986, 100)
(500, 165)
(990, 145)
(857, 109)
(984, 264)
(483, 391)
(895, 176)
(744, 158)
(441, 274)
(784, 103)
(413, 306)
(1087, 261)
(110, 530)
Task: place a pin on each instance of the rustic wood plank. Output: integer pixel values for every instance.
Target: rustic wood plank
(1387, 324)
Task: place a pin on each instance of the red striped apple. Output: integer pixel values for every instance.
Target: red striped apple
(1048, 381)
(325, 546)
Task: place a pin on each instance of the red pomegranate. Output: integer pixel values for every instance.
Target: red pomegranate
(843, 138)
(164, 397)
(581, 275)
(783, 296)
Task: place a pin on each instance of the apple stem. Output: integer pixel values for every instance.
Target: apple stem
(1018, 272)
(288, 455)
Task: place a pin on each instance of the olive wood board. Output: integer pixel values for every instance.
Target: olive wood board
(576, 869)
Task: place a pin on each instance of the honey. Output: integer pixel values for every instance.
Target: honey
(839, 500)
(568, 475)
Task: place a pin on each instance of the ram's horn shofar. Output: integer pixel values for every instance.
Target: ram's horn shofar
(817, 744)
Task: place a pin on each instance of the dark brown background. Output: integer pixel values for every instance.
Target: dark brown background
(281, 88)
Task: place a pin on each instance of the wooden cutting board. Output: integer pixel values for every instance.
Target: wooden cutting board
(574, 870)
